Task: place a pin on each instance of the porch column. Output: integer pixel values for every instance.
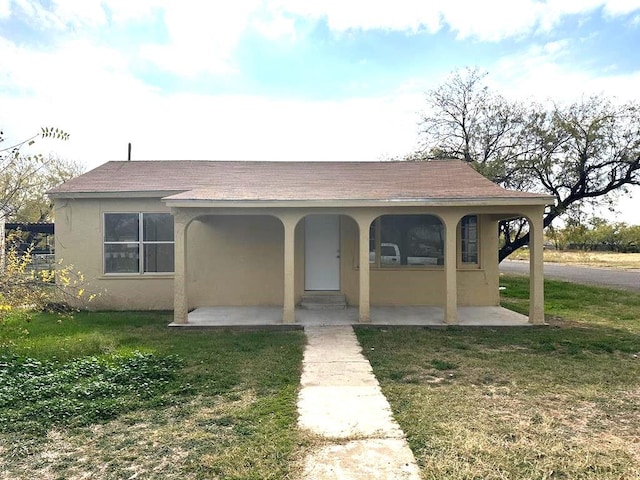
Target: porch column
(180, 297)
(364, 223)
(536, 268)
(288, 304)
(451, 269)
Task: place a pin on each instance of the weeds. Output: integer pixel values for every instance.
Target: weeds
(35, 395)
(118, 395)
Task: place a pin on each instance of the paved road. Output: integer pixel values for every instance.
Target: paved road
(625, 279)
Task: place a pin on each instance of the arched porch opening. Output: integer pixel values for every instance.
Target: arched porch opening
(532, 224)
(235, 260)
(406, 260)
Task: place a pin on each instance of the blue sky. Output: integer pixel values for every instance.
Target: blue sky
(290, 79)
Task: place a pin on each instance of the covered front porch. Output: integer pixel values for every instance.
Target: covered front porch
(271, 317)
(459, 295)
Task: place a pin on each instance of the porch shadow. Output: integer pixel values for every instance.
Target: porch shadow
(271, 317)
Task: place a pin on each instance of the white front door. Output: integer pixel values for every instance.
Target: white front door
(322, 252)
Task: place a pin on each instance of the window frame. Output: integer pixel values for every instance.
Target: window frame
(463, 242)
(377, 264)
(141, 243)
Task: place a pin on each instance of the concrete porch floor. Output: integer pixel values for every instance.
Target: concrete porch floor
(271, 317)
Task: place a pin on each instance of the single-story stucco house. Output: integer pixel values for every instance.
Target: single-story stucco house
(186, 234)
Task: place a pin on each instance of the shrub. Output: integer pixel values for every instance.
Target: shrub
(24, 289)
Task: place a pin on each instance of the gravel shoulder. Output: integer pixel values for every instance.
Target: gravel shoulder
(608, 277)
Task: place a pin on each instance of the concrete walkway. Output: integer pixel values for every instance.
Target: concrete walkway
(340, 399)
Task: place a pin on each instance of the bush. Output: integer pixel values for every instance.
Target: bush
(24, 289)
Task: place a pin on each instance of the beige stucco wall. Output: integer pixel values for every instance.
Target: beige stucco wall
(238, 260)
(78, 240)
(423, 285)
(235, 260)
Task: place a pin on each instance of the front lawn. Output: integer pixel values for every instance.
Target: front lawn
(558, 402)
(118, 395)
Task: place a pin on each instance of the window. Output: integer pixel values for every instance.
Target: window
(407, 240)
(138, 243)
(469, 234)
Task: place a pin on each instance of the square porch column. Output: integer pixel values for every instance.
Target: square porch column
(451, 269)
(364, 280)
(180, 297)
(289, 221)
(536, 268)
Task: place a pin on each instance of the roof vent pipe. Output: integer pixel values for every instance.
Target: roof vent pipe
(129, 153)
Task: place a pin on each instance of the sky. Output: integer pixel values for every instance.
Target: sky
(291, 79)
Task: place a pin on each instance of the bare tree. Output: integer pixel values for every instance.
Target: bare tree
(583, 152)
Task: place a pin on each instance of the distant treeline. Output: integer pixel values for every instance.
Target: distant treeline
(598, 235)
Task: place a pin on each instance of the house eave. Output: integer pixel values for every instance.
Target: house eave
(428, 202)
(125, 194)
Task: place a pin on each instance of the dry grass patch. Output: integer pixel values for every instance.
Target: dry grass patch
(558, 402)
(625, 261)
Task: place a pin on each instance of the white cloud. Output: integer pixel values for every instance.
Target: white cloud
(127, 10)
(488, 20)
(36, 13)
(85, 13)
(276, 25)
(203, 35)
(621, 7)
(61, 14)
(411, 15)
(5, 8)
(541, 73)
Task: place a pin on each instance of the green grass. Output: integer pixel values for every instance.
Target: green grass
(557, 402)
(112, 395)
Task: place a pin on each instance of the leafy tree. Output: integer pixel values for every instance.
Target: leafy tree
(24, 179)
(585, 151)
(30, 203)
(599, 234)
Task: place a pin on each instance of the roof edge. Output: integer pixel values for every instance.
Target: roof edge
(121, 194)
(401, 202)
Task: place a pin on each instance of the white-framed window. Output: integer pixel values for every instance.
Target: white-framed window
(138, 243)
(406, 240)
(469, 239)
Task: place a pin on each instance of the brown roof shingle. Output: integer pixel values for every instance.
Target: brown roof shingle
(266, 181)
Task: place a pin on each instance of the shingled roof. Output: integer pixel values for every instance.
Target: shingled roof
(183, 180)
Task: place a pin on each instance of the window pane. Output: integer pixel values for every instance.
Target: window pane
(121, 258)
(372, 243)
(121, 227)
(158, 257)
(387, 250)
(411, 240)
(469, 231)
(158, 227)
